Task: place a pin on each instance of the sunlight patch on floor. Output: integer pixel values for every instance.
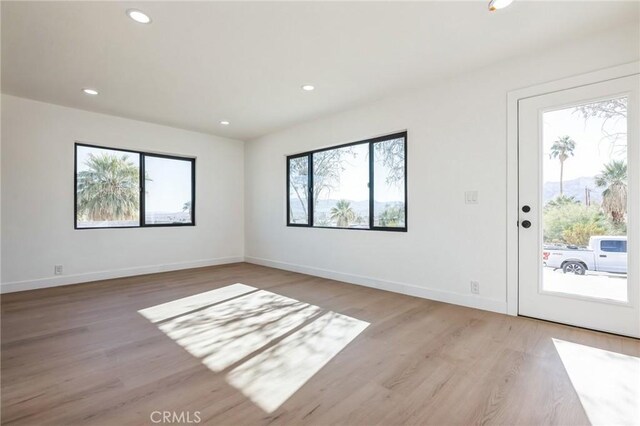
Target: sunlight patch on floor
(273, 344)
(228, 331)
(273, 376)
(197, 301)
(607, 383)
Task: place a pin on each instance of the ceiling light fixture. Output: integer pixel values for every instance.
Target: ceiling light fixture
(225, 123)
(499, 4)
(138, 16)
(308, 87)
(92, 92)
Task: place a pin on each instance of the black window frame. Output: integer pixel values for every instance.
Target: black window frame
(141, 194)
(370, 142)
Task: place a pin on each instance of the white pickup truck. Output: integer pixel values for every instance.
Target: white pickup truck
(604, 254)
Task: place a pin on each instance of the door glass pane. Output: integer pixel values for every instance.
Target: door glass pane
(584, 190)
(341, 187)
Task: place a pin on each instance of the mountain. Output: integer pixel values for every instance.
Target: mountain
(360, 207)
(573, 188)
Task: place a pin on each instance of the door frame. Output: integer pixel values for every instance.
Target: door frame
(513, 206)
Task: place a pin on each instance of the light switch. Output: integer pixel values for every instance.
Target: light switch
(471, 197)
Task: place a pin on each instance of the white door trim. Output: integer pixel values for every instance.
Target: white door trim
(512, 158)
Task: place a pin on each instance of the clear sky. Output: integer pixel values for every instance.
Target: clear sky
(355, 180)
(593, 149)
(170, 185)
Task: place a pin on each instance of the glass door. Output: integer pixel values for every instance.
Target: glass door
(579, 195)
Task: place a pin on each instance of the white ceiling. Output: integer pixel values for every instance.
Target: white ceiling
(201, 62)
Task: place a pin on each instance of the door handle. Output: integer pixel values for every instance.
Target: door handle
(526, 224)
(603, 255)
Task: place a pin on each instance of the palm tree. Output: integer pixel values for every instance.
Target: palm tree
(562, 149)
(393, 215)
(109, 189)
(343, 214)
(614, 198)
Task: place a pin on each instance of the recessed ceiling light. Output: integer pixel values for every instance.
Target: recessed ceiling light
(499, 4)
(224, 123)
(308, 87)
(90, 91)
(138, 16)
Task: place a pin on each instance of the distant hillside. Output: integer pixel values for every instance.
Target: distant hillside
(575, 188)
(324, 206)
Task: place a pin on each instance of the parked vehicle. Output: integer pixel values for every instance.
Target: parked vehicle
(604, 254)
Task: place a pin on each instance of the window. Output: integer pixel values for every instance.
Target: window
(167, 195)
(117, 188)
(341, 180)
(107, 188)
(361, 185)
(299, 190)
(613, 246)
(389, 183)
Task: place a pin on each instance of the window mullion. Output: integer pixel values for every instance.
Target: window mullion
(371, 177)
(310, 189)
(193, 192)
(142, 190)
(288, 192)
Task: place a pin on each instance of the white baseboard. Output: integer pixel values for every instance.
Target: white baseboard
(11, 287)
(468, 300)
(471, 301)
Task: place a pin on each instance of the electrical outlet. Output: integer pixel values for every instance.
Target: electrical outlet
(475, 287)
(57, 269)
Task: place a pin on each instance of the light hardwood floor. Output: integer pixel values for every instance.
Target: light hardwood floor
(83, 354)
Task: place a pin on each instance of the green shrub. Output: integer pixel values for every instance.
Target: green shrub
(564, 217)
(579, 233)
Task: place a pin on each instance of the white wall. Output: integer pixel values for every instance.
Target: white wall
(37, 199)
(456, 142)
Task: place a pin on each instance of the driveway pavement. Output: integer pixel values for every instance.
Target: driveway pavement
(593, 284)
